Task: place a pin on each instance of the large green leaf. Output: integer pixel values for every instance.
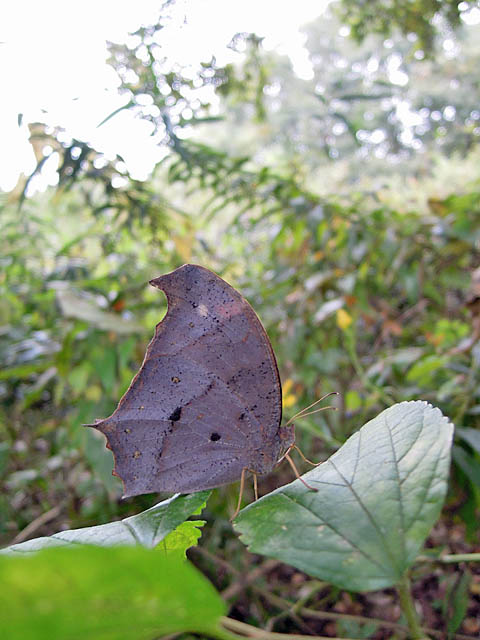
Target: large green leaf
(146, 529)
(120, 593)
(378, 496)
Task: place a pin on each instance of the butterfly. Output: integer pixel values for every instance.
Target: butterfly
(205, 408)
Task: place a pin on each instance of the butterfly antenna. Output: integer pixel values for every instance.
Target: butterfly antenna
(310, 413)
(303, 412)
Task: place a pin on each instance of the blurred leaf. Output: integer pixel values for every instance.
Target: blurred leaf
(105, 365)
(455, 602)
(377, 499)
(469, 464)
(424, 370)
(81, 307)
(22, 371)
(327, 309)
(344, 319)
(87, 592)
(145, 529)
(471, 436)
(288, 398)
(101, 461)
(4, 452)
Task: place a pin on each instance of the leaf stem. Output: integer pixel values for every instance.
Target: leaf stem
(408, 608)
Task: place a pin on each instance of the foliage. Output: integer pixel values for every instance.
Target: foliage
(361, 291)
(163, 522)
(419, 17)
(409, 444)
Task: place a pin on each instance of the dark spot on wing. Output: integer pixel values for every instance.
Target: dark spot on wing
(215, 436)
(175, 416)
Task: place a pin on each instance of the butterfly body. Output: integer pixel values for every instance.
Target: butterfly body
(206, 404)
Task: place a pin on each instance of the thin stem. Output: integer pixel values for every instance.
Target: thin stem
(451, 558)
(223, 634)
(408, 608)
(248, 631)
(368, 384)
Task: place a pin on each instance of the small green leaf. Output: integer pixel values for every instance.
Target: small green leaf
(183, 537)
(378, 496)
(145, 529)
(423, 371)
(104, 594)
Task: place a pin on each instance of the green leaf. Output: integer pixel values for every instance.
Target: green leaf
(378, 496)
(104, 594)
(145, 529)
(423, 371)
(183, 537)
(455, 603)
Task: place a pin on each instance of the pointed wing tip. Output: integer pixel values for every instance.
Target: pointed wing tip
(96, 425)
(160, 281)
(93, 424)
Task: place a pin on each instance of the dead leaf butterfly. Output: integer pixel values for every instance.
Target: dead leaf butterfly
(205, 407)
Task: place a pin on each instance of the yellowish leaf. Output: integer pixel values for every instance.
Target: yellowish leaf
(344, 319)
(288, 399)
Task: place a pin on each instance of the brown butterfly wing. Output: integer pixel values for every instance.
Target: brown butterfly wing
(206, 402)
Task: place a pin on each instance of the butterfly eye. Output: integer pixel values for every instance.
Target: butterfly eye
(215, 436)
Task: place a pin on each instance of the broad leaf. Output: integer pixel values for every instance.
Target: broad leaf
(378, 496)
(104, 594)
(146, 529)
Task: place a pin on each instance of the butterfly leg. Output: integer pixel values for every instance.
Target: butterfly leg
(314, 464)
(255, 486)
(297, 475)
(240, 493)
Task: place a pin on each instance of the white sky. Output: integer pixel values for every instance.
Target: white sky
(52, 58)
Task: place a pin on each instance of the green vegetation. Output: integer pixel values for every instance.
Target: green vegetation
(346, 209)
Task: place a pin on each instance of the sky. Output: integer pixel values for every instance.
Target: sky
(53, 65)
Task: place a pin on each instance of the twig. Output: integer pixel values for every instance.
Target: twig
(284, 604)
(332, 615)
(51, 514)
(235, 588)
(253, 632)
(451, 558)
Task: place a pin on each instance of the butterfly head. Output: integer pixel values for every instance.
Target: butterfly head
(286, 438)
